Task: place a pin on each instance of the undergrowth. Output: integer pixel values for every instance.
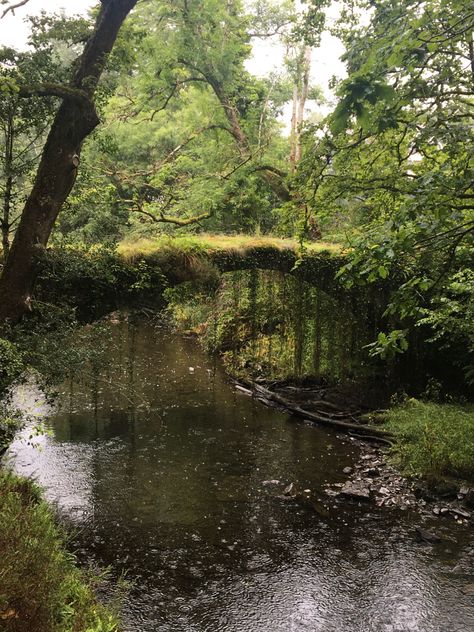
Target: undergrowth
(433, 439)
(41, 589)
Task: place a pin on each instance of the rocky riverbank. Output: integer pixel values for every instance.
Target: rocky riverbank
(373, 479)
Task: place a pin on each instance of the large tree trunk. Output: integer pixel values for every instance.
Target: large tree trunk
(74, 121)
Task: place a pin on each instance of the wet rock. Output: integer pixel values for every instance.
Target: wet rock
(290, 491)
(356, 490)
(347, 470)
(422, 535)
(273, 481)
(372, 472)
(469, 499)
(457, 512)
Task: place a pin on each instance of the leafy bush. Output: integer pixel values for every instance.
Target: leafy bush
(11, 364)
(40, 588)
(434, 439)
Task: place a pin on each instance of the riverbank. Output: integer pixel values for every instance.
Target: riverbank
(415, 455)
(41, 588)
(285, 345)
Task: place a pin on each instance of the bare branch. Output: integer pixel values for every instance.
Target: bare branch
(12, 8)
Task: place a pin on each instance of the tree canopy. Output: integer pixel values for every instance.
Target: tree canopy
(191, 140)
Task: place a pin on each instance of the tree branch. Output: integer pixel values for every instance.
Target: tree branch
(168, 219)
(55, 90)
(13, 7)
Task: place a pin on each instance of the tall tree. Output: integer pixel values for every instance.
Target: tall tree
(25, 121)
(75, 119)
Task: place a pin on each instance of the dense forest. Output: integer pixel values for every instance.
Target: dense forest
(309, 234)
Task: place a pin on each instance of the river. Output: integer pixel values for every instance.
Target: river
(163, 471)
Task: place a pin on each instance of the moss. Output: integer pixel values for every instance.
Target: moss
(210, 244)
(41, 589)
(433, 439)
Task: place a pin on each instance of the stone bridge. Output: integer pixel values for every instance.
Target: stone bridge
(183, 260)
(99, 280)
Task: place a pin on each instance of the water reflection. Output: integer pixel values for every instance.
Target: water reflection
(163, 469)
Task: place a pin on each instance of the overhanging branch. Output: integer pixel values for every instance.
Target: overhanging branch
(11, 9)
(55, 90)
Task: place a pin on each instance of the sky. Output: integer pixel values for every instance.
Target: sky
(267, 55)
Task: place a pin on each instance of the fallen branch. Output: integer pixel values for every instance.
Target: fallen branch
(367, 432)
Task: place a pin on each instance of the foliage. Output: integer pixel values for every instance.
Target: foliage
(188, 129)
(271, 325)
(10, 421)
(450, 317)
(388, 345)
(11, 364)
(433, 439)
(40, 587)
(392, 165)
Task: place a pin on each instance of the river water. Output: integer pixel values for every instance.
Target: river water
(164, 471)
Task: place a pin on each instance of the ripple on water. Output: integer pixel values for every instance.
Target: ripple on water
(167, 475)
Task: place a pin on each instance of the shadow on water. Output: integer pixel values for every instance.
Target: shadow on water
(167, 473)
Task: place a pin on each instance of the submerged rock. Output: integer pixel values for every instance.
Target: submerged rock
(422, 535)
(290, 491)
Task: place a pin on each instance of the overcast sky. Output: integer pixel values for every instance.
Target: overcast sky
(267, 56)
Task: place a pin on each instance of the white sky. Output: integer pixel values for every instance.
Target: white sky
(267, 56)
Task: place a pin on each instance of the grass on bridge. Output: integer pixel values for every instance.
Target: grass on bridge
(208, 244)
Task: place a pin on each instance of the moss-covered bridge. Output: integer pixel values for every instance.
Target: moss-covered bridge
(100, 280)
(185, 259)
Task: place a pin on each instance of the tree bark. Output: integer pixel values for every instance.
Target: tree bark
(7, 195)
(302, 101)
(294, 128)
(75, 120)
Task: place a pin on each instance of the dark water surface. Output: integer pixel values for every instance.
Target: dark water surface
(163, 471)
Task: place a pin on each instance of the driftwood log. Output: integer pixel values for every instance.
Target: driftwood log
(367, 433)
